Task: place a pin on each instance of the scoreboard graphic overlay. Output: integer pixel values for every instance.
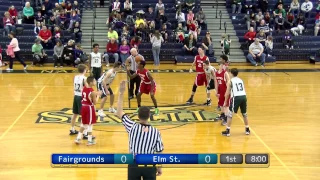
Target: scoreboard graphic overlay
(254, 160)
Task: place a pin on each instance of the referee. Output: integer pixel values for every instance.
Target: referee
(143, 139)
(133, 68)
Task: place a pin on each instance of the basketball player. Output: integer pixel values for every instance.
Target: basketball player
(201, 76)
(238, 99)
(211, 80)
(104, 83)
(79, 83)
(131, 63)
(148, 85)
(223, 78)
(95, 62)
(88, 112)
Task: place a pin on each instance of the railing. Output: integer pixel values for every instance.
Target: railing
(220, 14)
(93, 24)
(217, 8)
(225, 27)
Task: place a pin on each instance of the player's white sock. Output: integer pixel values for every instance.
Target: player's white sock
(85, 132)
(79, 135)
(247, 126)
(228, 128)
(89, 138)
(72, 128)
(208, 99)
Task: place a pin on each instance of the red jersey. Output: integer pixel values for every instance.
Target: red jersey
(222, 85)
(86, 92)
(199, 63)
(144, 76)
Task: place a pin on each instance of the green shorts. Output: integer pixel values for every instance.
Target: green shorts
(96, 72)
(76, 109)
(238, 101)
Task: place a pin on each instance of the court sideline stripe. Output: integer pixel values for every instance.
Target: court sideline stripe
(271, 151)
(25, 109)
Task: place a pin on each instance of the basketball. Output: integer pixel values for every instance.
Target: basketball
(138, 59)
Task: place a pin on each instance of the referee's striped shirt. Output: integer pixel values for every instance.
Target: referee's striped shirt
(133, 62)
(143, 139)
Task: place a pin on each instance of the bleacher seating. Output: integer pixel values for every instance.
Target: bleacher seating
(304, 45)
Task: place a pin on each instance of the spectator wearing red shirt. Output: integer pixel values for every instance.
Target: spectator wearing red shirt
(8, 23)
(135, 42)
(112, 51)
(250, 36)
(13, 13)
(45, 36)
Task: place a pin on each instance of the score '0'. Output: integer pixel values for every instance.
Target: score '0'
(207, 159)
(123, 159)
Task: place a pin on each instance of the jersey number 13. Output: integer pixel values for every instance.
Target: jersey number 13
(239, 86)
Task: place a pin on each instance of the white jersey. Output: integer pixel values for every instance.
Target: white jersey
(237, 87)
(209, 71)
(96, 60)
(111, 77)
(78, 84)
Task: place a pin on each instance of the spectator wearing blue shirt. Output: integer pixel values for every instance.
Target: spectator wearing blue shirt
(48, 7)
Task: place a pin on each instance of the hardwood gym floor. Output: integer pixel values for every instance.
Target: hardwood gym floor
(283, 109)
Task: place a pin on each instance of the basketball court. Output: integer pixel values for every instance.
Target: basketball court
(283, 110)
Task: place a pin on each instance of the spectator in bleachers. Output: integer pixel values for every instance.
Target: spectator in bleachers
(261, 36)
(267, 18)
(150, 29)
(280, 2)
(124, 51)
(37, 29)
(76, 33)
(78, 52)
(161, 18)
(14, 43)
(13, 13)
(189, 46)
(190, 4)
(112, 34)
(63, 20)
(180, 33)
(52, 22)
(86, 4)
(264, 27)
(300, 25)
(201, 19)
(259, 17)
(193, 28)
(294, 7)
(127, 8)
(263, 5)
(279, 11)
(38, 53)
(256, 52)
(179, 4)
(28, 14)
(190, 16)
(57, 9)
(164, 32)
(8, 23)
(159, 6)
(248, 6)
(139, 21)
(57, 54)
(141, 31)
(111, 51)
(150, 15)
(116, 5)
(73, 19)
(39, 18)
(269, 46)
(48, 7)
(156, 40)
(287, 40)
(306, 8)
(75, 6)
(68, 53)
(235, 4)
(125, 34)
(208, 44)
(135, 42)
(251, 21)
(181, 18)
(289, 22)
(318, 7)
(45, 36)
(68, 9)
(279, 23)
(57, 34)
(250, 36)
(317, 25)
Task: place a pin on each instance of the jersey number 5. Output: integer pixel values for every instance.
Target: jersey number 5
(239, 87)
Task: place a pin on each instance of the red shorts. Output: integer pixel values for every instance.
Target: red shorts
(201, 79)
(146, 88)
(88, 115)
(222, 92)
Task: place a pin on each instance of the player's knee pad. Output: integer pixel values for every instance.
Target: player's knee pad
(194, 88)
(244, 115)
(229, 114)
(90, 127)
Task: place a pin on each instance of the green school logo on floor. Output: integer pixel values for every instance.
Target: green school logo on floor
(169, 115)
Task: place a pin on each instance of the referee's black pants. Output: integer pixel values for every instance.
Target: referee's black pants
(135, 81)
(135, 172)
